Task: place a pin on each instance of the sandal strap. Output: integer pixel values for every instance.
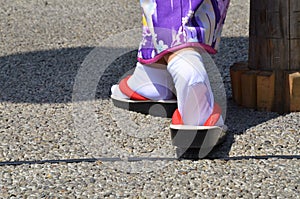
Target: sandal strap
(125, 89)
(211, 121)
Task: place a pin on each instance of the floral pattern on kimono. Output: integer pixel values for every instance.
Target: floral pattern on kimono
(170, 25)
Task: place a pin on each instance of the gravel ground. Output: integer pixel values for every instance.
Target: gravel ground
(58, 140)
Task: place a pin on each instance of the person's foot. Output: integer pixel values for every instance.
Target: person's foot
(115, 91)
(215, 119)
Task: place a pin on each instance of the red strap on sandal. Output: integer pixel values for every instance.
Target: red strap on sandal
(211, 121)
(125, 89)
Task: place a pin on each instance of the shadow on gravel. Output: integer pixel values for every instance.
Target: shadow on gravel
(49, 76)
(238, 120)
(40, 77)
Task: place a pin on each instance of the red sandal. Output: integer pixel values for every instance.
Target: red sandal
(194, 142)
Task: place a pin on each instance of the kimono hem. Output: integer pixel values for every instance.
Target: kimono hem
(170, 25)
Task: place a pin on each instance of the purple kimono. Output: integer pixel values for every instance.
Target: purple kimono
(170, 25)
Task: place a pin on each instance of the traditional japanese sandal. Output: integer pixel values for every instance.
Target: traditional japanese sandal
(194, 142)
(138, 103)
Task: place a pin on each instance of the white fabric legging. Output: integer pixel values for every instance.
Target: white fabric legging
(187, 73)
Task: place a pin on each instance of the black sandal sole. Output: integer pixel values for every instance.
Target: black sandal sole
(196, 142)
(161, 108)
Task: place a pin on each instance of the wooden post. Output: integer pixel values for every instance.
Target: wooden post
(249, 91)
(293, 91)
(236, 72)
(274, 48)
(265, 90)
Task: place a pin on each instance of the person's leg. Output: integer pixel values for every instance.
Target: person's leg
(150, 82)
(194, 95)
